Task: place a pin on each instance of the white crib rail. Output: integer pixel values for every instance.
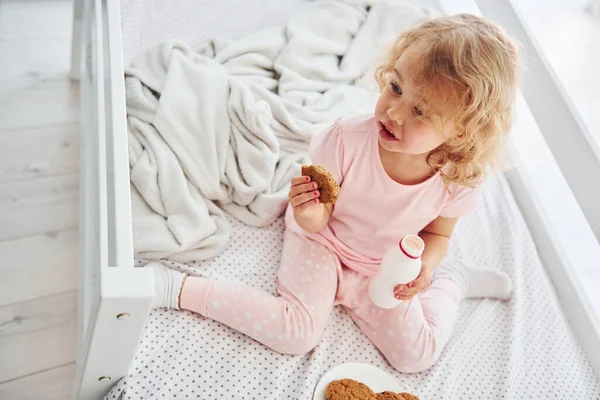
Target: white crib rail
(576, 154)
(572, 145)
(114, 297)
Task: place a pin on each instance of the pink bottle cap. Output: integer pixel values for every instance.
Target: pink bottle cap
(412, 246)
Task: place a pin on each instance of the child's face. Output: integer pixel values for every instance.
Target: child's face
(398, 112)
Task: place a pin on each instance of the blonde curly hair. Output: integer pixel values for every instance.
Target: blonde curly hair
(467, 71)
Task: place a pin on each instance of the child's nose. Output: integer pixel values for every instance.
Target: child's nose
(396, 115)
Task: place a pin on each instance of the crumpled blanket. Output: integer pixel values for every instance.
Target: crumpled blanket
(223, 128)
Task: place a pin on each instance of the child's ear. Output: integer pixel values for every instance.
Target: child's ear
(460, 133)
(457, 139)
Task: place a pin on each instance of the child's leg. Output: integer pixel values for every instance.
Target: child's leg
(413, 335)
(292, 322)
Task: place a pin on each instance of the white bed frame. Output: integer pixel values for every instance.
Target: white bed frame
(115, 297)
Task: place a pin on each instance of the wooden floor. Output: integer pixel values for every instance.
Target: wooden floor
(39, 158)
(39, 145)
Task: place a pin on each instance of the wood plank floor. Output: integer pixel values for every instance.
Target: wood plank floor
(39, 166)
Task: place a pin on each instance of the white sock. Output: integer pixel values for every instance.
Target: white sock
(475, 282)
(167, 286)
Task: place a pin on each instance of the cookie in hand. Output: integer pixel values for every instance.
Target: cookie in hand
(326, 183)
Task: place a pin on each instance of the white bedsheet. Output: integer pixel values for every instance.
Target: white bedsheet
(519, 349)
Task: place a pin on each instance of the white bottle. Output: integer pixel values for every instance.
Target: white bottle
(400, 265)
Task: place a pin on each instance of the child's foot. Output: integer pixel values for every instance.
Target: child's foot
(167, 286)
(476, 282)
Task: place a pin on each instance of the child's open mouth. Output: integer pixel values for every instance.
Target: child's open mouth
(386, 134)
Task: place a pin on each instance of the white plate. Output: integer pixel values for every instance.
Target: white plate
(373, 377)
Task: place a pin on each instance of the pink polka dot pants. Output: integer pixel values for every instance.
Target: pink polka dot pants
(311, 282)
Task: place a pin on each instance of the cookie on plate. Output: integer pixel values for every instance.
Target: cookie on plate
(395, 396)
(348, 389)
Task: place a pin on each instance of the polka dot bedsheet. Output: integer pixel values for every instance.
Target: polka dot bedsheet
(517, 349)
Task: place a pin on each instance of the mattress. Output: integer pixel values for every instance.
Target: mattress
(517, 349)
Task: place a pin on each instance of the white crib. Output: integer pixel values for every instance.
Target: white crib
(115, 297)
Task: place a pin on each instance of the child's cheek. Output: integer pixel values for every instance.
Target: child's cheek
(420, 141)
(411, 141)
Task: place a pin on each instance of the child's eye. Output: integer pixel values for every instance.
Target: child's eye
(395, 88)
(418, 112)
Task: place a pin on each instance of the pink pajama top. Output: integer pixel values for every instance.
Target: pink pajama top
(373, 212)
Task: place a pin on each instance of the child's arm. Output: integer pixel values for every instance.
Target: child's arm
(436, 236)
(315, 223)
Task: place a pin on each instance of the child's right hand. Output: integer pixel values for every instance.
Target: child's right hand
(304, 198)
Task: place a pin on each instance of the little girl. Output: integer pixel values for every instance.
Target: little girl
(414, 166)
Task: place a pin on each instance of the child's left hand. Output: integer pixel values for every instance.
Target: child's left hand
(406, 292)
